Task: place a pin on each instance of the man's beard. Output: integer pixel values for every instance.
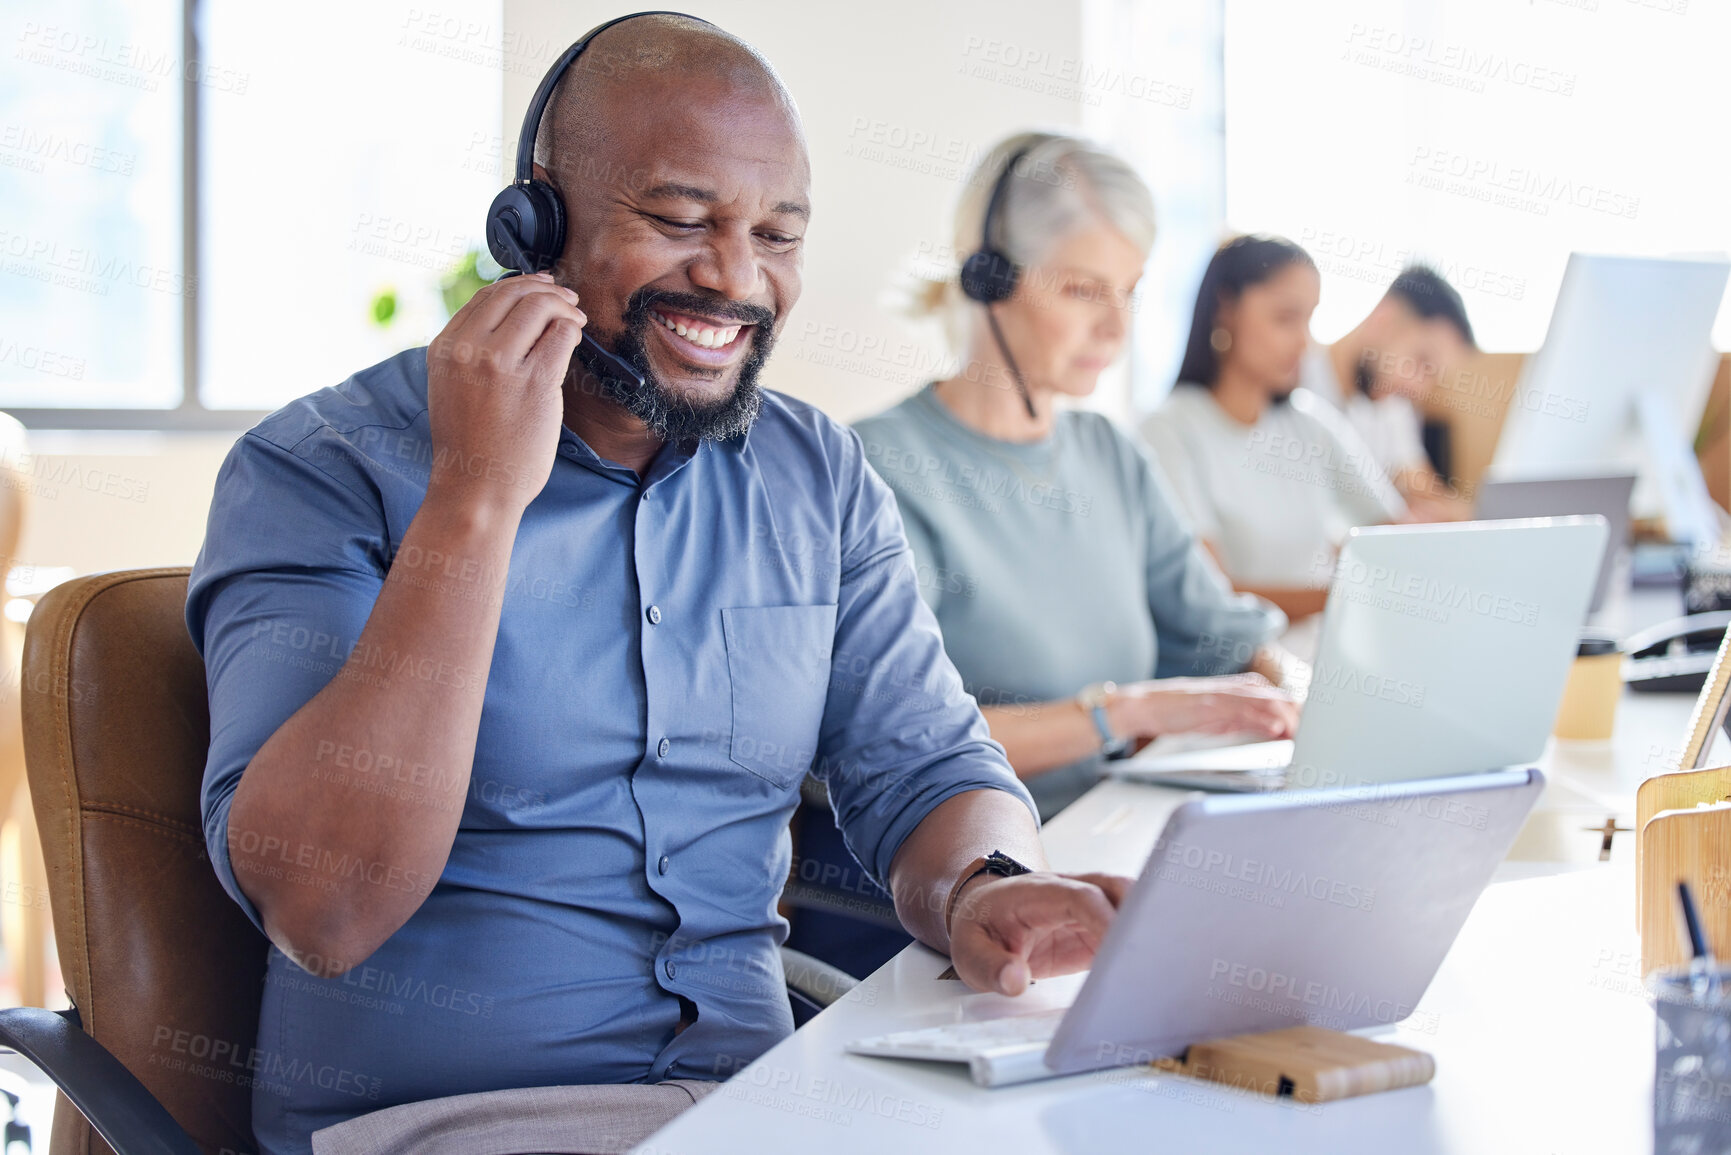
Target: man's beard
(667, 414)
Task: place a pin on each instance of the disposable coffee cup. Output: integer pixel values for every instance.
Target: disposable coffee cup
(1589, 709)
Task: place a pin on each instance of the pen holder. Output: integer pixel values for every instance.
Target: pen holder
(1682, 824)
(1692, 1062)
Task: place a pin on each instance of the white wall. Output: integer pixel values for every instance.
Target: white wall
(1490, 138)
(102, 501)
(895, 116)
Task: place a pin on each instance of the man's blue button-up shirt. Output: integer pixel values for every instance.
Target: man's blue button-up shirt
(674, 652)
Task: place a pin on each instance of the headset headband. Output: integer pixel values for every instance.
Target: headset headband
(994, 203)
(544, 91)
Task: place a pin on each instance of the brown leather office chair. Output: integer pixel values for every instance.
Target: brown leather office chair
(164, 972)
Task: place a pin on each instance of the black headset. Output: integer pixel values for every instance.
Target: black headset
(989, 275)
(526, 223)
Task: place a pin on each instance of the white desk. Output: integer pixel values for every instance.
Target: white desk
(1543, 1039)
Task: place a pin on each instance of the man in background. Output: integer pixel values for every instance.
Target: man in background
(1379, 372)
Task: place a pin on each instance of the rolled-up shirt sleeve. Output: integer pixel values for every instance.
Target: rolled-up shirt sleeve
(1204, 626)
(292, 562)
(900, 735)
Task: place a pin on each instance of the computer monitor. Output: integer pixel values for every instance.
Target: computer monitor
(1621, 381)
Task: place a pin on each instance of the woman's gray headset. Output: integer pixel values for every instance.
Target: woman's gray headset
(989, 275)
(526, 223)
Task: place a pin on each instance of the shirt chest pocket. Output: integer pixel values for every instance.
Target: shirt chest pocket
(778, 662)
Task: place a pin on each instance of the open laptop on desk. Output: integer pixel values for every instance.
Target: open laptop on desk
(1444, 650)
(1606, 494)
(1329, 907)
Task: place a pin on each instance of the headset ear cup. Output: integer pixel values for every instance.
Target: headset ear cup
(511, 227)
(988, 277)
(550, 224)
(533, 219)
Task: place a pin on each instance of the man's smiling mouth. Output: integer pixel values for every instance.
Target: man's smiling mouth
(703, 334)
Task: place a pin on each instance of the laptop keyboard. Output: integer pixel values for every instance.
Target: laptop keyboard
(1191, 741)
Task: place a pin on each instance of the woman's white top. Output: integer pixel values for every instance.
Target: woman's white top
(1275, 498)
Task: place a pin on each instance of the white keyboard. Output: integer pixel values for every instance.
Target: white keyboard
(998, 1052)
(959, 1042)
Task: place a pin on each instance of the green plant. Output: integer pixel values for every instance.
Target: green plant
(384, 306)
(462, 282)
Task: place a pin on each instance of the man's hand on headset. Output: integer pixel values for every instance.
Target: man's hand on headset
(494, 377)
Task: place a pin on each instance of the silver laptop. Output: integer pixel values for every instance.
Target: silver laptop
(1604, 494)
(1257, 912)
(1444, 650)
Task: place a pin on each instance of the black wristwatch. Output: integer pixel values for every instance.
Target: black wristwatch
(997, 862)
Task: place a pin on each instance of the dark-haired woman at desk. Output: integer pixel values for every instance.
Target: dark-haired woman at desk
(1271, 476)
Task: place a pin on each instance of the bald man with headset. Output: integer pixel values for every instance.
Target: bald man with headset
(519, 646)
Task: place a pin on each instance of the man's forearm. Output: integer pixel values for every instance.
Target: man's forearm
(335, 868)
(930, 861)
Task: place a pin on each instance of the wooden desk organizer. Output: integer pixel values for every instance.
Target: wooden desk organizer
(1307, 1064)
(1683, 833)
(1679, 792)
(1693, 846)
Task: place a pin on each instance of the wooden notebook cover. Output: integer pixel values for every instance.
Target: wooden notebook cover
(1308, 1064)
(1693, 846)
(1680, 790)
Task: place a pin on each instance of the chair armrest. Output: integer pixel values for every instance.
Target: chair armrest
(98, 1084)
(814, 979)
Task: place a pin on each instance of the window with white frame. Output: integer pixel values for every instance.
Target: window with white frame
(214, 206)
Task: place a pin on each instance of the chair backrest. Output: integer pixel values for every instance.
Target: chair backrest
(165, 970)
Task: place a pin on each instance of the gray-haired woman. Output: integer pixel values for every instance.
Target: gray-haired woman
(1074, 600)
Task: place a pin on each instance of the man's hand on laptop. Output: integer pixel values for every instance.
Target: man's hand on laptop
(1009, 931)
